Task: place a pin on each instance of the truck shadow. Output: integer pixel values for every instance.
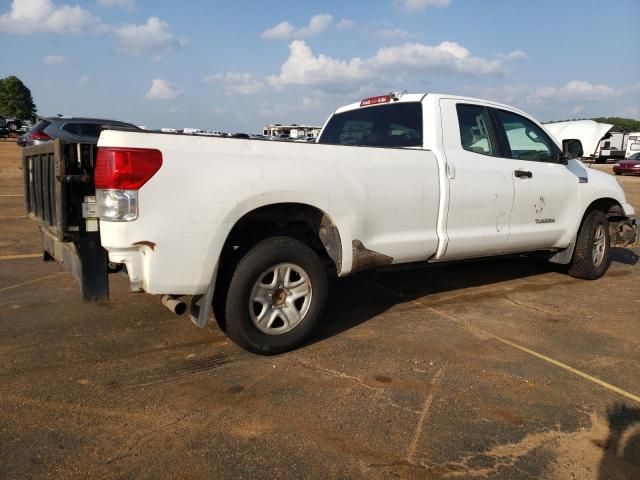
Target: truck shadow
(361, 297)
(621, 449)
(624, 255)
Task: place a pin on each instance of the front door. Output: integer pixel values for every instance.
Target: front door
(546, 202)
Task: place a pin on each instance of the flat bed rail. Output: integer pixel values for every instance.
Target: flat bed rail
(60, 196)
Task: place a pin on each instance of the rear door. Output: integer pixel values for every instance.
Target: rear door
(546, 192)
(400, 188)
(481, 188)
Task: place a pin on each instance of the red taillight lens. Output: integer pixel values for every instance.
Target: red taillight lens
(375, 100)
(126, 168)
(39, 136)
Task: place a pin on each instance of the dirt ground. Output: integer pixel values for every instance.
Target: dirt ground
(503, 368)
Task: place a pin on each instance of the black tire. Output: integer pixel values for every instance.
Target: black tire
(239, 320)
(618, 173)
(583, 264)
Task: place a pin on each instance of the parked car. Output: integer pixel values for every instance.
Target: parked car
(69, 129)
(23, 140)
(257, 228)
(11, 124)
(631, 165)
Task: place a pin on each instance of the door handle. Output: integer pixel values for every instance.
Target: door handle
(523, 174)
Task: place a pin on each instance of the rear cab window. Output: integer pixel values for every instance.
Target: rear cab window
(41, 125)
(83, 129)
(392, 125)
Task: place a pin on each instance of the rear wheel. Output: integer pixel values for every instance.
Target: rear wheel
(591, 255)
(276, 296)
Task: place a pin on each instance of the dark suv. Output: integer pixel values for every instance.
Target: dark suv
(70, 129)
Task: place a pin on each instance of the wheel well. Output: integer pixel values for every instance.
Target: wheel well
(609, 206)
(305, 223)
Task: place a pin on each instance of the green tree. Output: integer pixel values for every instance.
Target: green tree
(15, 99)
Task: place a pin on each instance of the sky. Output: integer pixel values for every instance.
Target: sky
(238, 65)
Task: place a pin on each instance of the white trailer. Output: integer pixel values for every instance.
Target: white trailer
(633, 144)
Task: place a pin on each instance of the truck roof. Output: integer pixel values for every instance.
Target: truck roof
(418, 97)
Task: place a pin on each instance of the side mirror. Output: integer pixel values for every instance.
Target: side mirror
(572, 148)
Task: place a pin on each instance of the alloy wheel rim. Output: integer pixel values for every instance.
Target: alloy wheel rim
(599, 245)
(280, 298)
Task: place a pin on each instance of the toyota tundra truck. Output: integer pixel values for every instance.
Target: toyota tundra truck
(254, 229)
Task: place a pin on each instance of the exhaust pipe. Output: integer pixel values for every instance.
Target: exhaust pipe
(174, 304)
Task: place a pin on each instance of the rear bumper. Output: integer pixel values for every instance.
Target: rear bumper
(630, 170)
(134, 261)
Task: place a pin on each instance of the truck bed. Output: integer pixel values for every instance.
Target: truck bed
(206, 184)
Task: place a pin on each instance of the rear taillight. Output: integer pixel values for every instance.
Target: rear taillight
(126, 168)
(119, 174)
(39, 136)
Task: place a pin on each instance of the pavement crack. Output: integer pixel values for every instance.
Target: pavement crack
(148, 434)
(530, 307)
(383, 392)
(424, 414)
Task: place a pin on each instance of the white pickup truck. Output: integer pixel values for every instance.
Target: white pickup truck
(256, 227)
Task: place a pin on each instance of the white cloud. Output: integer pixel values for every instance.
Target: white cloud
(345, 24)
(576, 90)
(395, 34)
(152, 38)
(447, 58)
(126, 4)
(304, 68)
(85, 78)
(237, 83)
(420, 5)
(55, 60)
(284, 30)
(575, 98)
(281, 30)
(162, 90)
(44, 16)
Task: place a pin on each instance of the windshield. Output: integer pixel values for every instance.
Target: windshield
(393, 125)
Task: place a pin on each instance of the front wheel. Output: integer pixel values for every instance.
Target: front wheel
(276, 296)
(591, 255)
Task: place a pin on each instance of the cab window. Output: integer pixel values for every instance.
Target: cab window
(393, 125)
(476, 132)
(524, 139)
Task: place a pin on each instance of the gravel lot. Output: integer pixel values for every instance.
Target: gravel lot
(503, 368)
